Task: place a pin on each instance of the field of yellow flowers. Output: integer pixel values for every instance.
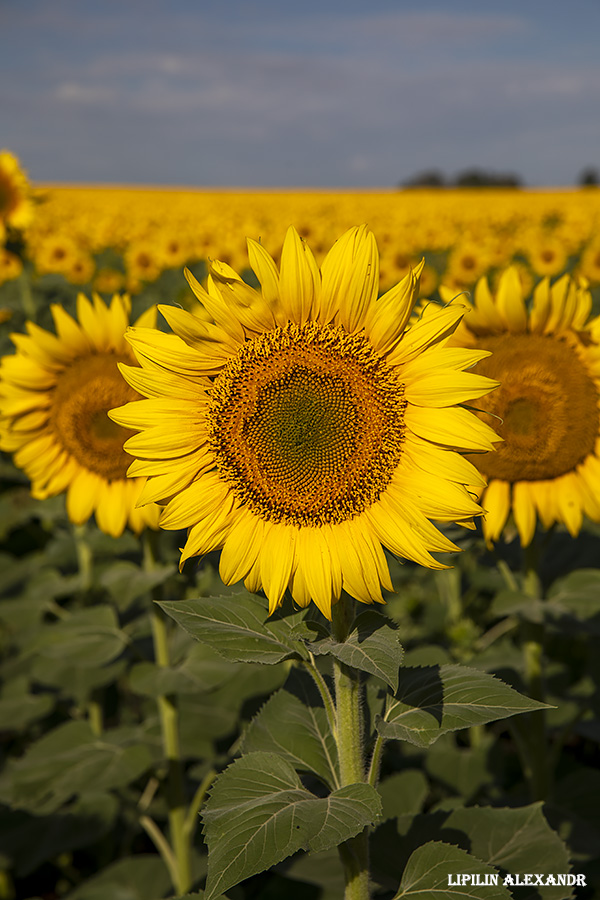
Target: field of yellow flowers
(109, 239)
(403, 701)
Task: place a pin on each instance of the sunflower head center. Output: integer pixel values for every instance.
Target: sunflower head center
(303, 427)
(84, 394)
(307, 424)
(546, 407)
(522, 417)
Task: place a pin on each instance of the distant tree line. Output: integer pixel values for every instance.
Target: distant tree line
(475, 177)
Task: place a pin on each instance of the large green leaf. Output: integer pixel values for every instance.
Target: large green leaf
(434, 700)
(259, 813)
(88, 638)
(293, 724)
(514, 841)
(237, 627)
(71, 760)
(427, 875)
(517, 841)
(371, 646)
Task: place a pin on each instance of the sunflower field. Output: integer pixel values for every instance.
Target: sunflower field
(300, 564)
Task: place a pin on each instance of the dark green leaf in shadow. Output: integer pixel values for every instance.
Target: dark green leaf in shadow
(126, 582)
(434, 700)
(372, 646)
(88, 637)
(427, 871)
(70, 761)
(141, 877)
(403, 793)
(259, 813)
(29, 840)
(293, 724)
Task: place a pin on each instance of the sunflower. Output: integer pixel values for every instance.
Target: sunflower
(548, 362)
(547, 255)
(55, 392)
(466, 263)
(16, 208)
(303, 428)
(589, 264)
(10, 265)
(55, 253)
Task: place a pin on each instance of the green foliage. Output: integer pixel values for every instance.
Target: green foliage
(426, 874)
(85, 773)
(372, 646)
(236, 628)
(433, 700)
(259, 813)
(293, 724)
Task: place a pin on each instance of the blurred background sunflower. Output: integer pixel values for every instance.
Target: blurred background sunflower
(547, 360)
(55, 392)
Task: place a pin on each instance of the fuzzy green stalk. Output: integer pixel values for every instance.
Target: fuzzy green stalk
(95, 715)
(84, 556)
(534, 735)
(169, 725)
(354, 853)
(27, 301)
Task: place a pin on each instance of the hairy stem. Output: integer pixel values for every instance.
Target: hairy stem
(535, 737)
(349, 736)
(169, 725)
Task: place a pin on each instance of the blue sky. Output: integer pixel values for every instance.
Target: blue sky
(284, 93)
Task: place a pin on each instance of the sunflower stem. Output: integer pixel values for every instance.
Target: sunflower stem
(198, 799)
(169, 724)
(323, 691)
(536, 745)
(84, 556)
(95, 716)
(29, 307)
(354, 853)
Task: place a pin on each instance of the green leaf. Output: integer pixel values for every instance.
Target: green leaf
(126, 582)
(465, 770)
(19, 707)
(30, 840)
(202, 670)
(88, 638)
(237, 627)
(259, 813)
(403, 793)
(372, 646)
(513, 841)
(321, 869)
(517, 841)
(575, 598)
(71, 760)
(75, 681)
(427, 871)
(141, 877)
(293, 724)
(434, 700)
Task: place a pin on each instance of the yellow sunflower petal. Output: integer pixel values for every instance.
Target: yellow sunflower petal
(496, 506)
(523, 506)
(299, 280)
(509, 300)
